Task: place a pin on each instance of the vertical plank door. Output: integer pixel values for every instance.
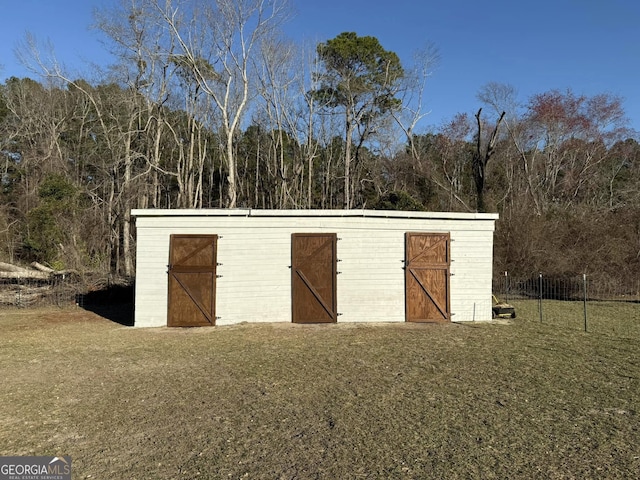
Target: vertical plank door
(313, 277)
(192, 280)
(427, 277)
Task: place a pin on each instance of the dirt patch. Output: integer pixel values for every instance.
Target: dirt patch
(278, 400)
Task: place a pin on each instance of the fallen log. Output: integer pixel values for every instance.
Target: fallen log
(9, 267)
(25, 274)
(44, 268)
(10, 271)
(38, 272)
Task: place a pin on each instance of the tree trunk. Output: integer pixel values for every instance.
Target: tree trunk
(481, 158)
(232, 188)
(347, 160)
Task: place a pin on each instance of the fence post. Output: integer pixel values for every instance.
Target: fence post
(506, 287)
(584, 288)
(19, 295)
(540, 299)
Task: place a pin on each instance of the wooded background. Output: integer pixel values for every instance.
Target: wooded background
(209, 106)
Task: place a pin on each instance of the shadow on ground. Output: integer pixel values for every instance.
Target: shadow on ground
(114, 303)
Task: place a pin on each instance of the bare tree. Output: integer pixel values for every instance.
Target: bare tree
(277, 80)
(481, 155)
(217, 43)
(119, 121)
(412, 94)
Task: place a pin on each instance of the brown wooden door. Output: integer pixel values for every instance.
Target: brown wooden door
(427, 277)
(192, 280)
(313, 281)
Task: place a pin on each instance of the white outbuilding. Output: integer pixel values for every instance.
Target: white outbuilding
(226, 266)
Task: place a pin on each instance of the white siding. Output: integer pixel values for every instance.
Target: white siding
(254, 250)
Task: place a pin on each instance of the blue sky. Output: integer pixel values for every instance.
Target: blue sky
(590, 46)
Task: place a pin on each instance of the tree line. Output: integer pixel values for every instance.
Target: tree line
(209, 106)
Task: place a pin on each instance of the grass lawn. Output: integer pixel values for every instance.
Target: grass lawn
(620, 319)
(272, 401)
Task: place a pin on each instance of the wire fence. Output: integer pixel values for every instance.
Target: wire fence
(56, 291)
(574, 302)
(29, 292)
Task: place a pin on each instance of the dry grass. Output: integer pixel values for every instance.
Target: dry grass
(619, 319)
(520, 400)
